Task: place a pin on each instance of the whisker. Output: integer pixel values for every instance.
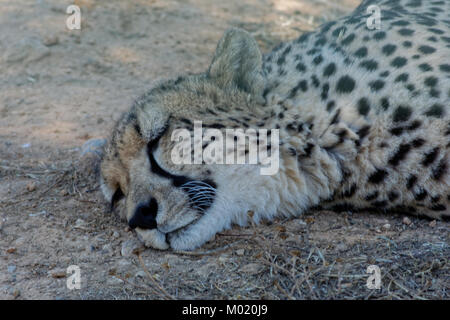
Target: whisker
(201, 194)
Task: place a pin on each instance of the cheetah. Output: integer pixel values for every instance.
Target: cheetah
(362, 116)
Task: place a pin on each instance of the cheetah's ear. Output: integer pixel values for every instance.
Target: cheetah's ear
(238, 62)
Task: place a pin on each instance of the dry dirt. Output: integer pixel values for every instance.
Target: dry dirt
(61, 88)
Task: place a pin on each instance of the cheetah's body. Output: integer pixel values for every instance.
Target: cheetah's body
(389, 89)
(363, 115)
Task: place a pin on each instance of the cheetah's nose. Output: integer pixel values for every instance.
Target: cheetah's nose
(145, 215)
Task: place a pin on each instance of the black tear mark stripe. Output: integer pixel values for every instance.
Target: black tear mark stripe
(177, 180)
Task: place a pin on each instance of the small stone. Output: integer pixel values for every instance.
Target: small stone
(240, 252)
(130, 247)
(407, 221)
(11, 268)
(50, 40)
(432, 224)
(172, 259)
(93, 146)
(40, 213)
(79, 223)
(223, 259)
(29, 50)
(386, 226)
(166, 265)
(206, 269)
(341, 247)
(251, 268)
(283, 235)
(57, 274)
(31, 186)
(64, 193)
(11, 250)
(114, 281)
(309, 220)
(16, 293)
(115, 235)
(141, 274)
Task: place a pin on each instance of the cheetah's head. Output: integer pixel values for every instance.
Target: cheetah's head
(161, 199)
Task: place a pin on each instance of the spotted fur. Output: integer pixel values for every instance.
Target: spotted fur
(364, 123)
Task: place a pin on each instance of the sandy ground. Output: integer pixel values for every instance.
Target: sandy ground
(61, 88)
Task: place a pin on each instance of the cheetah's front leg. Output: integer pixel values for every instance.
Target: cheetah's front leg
(200, 232)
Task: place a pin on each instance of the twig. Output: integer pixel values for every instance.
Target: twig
(212, 251)
(163, 291)
(276, 284)
(136, 285)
